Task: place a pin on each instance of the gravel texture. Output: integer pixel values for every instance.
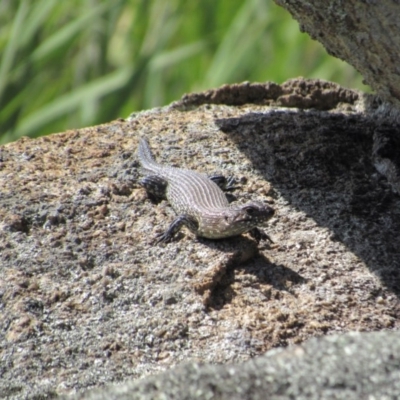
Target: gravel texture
(86, 299)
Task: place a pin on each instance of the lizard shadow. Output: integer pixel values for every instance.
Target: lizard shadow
(269, 278)
(321, 164)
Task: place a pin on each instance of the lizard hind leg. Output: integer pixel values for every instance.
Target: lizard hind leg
(155, 187)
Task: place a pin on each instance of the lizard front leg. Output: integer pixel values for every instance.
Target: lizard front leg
(175, 227)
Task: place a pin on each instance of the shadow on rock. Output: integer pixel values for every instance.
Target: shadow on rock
(322, 164)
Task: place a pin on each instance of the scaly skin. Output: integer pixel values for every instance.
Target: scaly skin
(200, 203)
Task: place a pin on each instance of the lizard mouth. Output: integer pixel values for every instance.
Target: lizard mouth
(254, 221)
(254, 216)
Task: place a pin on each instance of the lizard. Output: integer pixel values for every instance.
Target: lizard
(199, 201)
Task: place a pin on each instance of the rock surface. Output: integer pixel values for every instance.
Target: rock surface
(351, 366)
(366, 34)
(86, 299)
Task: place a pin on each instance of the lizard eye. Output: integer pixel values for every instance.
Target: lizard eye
(250, 210)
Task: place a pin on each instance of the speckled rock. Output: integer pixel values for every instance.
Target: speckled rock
(350, 366)
(87, 299)
(363, 33)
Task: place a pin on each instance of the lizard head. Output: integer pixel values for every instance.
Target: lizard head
(253, 213)
(249, 215)
(235, 220)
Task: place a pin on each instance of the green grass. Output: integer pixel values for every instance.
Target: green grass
(71, 64)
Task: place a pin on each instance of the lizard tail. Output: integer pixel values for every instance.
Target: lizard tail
(145, 157)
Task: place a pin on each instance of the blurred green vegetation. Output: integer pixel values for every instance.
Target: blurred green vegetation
(83, 62)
